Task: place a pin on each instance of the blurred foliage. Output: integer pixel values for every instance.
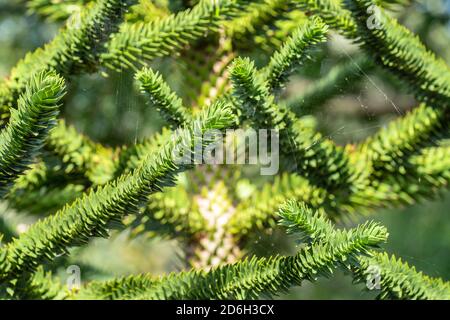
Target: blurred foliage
(113, 112)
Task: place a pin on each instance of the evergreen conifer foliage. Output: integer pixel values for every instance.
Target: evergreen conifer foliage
(78, 189)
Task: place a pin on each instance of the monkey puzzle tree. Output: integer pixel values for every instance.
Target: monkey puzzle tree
(82, 189)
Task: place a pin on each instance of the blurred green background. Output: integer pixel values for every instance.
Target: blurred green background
(110, 110)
